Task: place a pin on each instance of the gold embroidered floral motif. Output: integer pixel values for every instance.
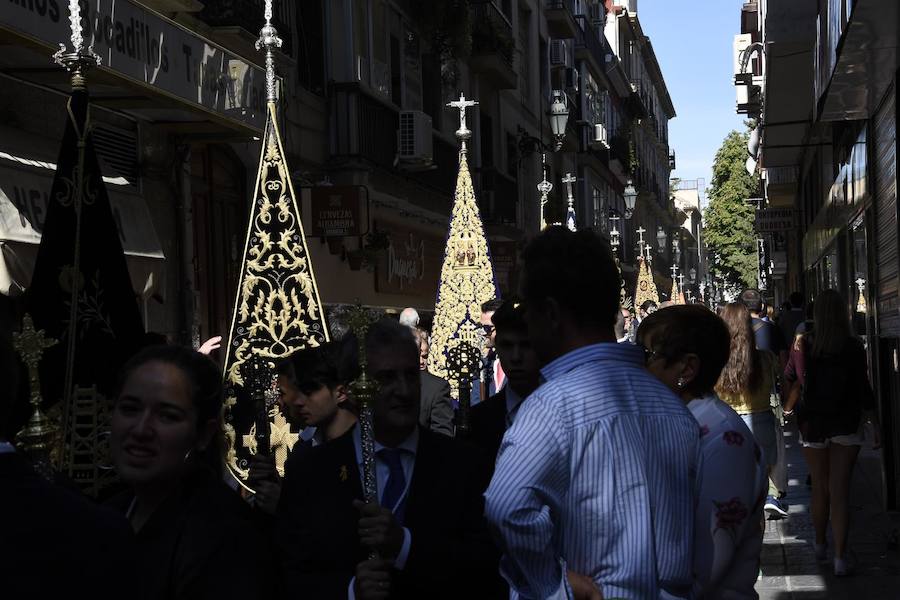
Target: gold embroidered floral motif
(467, 281)
(277, 309)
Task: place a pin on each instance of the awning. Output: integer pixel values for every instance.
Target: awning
(24, 188)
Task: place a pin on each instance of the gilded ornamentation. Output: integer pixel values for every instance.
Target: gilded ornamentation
(646, 287)
(277, 309)
(467, 281)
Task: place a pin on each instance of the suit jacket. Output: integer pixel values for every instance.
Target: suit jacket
(436, 409)
(451, 555)
(188, 546)
(487, 424)
(55, 543)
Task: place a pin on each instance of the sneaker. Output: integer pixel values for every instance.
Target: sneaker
(774, 509)
(821, 552)
(843, 567)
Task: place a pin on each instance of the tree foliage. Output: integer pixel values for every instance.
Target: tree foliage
(728, 219)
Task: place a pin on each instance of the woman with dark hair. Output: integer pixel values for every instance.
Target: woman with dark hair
(686, 348)
(746, 385)
(832, 396)
(165, 445)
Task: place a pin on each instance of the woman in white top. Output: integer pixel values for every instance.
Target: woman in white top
(686, 348)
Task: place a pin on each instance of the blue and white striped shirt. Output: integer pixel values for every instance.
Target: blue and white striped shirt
(597, 475)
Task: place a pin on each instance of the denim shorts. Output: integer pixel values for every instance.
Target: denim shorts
(851, 439)
(762, 424)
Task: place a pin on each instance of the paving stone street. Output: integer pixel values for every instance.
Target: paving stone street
(789, 567)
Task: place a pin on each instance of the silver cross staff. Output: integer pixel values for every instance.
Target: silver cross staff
(641, 231)
(674, 270)
(268, 39)
(568, 180)
(544, 187)
(463, 133)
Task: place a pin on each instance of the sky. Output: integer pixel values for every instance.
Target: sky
(693, 43)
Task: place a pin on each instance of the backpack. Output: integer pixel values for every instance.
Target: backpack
(828, 383)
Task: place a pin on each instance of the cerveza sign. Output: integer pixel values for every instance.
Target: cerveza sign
(151, 50)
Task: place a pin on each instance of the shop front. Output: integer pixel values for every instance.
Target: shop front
(169, 107)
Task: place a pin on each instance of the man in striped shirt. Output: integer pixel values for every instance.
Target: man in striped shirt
(595, 481)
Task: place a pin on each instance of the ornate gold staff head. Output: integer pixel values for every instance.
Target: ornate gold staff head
(363, 390)
(37, 436)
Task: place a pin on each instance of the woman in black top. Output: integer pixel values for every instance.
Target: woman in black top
(194, 536)
(831, 395)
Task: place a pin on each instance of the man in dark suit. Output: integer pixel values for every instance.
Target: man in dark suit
(491, 378)
(436, 411)
(489, 420)
(436, 408)
(54, 542)
(428, 526)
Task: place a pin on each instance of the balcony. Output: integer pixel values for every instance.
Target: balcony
(560, 16)
(237, 22)
(366, 131)
(590, 48)
(493, 45)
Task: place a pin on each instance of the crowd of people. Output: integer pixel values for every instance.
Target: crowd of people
(607, 455)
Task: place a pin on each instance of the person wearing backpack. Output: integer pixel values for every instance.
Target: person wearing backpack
(832, 398)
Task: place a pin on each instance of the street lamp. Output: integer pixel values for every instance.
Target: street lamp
(661, 238)
(630, 195)
(693, 274)
(559, 116)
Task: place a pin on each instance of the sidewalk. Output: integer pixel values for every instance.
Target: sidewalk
(790, 570)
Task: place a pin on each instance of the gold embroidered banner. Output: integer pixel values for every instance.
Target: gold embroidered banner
(467, 281)
(277, 309)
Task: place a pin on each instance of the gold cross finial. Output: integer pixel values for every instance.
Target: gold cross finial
(35, 438)
(31, 343)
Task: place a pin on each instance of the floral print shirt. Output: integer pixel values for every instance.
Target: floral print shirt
(728, 526)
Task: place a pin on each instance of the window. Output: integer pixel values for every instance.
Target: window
(311, 50)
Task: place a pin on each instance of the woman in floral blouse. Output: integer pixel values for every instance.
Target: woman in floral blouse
(686, 348)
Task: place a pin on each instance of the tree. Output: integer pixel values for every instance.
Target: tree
(728, 219)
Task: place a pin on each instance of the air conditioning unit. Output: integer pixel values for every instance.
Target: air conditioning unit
(572, 79)
(559, 54)
(414, 139)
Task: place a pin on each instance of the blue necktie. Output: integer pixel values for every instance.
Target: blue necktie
(396, 481)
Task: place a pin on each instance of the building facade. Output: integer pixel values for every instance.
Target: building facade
(824, 93)
(368, 137)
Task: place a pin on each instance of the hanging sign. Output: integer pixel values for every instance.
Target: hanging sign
(775, 219)
(336, 210)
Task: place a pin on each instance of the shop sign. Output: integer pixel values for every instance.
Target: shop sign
(336, 209)
(23, 208)
(411, 265)
(153, 51)
(503, 257)
(775, 219)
